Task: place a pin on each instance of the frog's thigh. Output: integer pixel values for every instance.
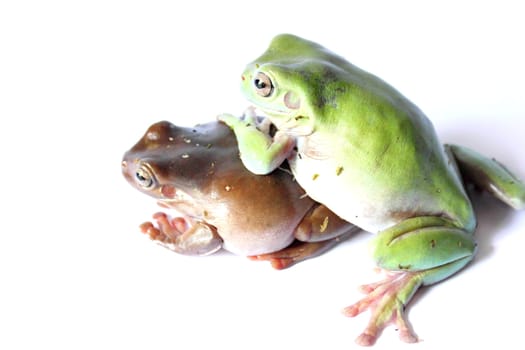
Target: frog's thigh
(319, 231)
(429, 244)
(299, 251)
(321, 224)
(490, 175)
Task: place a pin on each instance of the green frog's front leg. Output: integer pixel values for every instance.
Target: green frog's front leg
(259, 152)
(417, 252)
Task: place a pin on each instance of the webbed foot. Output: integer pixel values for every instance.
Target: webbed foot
(183, 235)
(386, 300)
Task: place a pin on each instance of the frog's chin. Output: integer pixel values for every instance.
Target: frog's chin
(185, 206)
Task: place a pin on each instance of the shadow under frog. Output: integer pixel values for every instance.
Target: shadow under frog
(197, 172)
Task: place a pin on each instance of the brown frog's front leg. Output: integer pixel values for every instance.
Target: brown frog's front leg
(183, 235)
(319, 231)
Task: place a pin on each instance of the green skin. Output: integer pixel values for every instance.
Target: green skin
(357, 145)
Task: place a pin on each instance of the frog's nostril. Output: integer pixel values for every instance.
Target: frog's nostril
(124, 164)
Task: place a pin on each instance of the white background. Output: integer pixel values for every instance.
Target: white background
(80, 81)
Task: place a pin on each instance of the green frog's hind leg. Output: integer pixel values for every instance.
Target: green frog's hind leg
(489, 175)
(416, 252)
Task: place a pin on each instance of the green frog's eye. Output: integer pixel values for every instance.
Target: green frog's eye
(263, 85)
(144, 177)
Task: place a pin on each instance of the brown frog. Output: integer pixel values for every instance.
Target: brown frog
(197, 172)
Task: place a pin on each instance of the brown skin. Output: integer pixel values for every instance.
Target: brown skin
(197, 171)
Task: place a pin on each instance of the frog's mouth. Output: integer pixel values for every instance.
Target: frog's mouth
(282, 120)
(277, 113)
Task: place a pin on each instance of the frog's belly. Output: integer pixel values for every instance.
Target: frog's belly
(372, 207)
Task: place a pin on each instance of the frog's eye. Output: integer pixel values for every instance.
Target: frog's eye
(144, 177)
(263, 85)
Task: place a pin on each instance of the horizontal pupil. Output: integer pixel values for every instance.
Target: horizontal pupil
(260, 84)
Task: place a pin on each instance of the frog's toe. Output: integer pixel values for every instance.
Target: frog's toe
(408, 336)
(372, 332)
(366, 339)
(286, 257)
(166, 231)
(277, 262)
(149, 229)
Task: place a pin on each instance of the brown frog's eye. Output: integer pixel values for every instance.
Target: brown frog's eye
(263, 85)
(144, 177)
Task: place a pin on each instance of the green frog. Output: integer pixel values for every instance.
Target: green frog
(358, 146)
